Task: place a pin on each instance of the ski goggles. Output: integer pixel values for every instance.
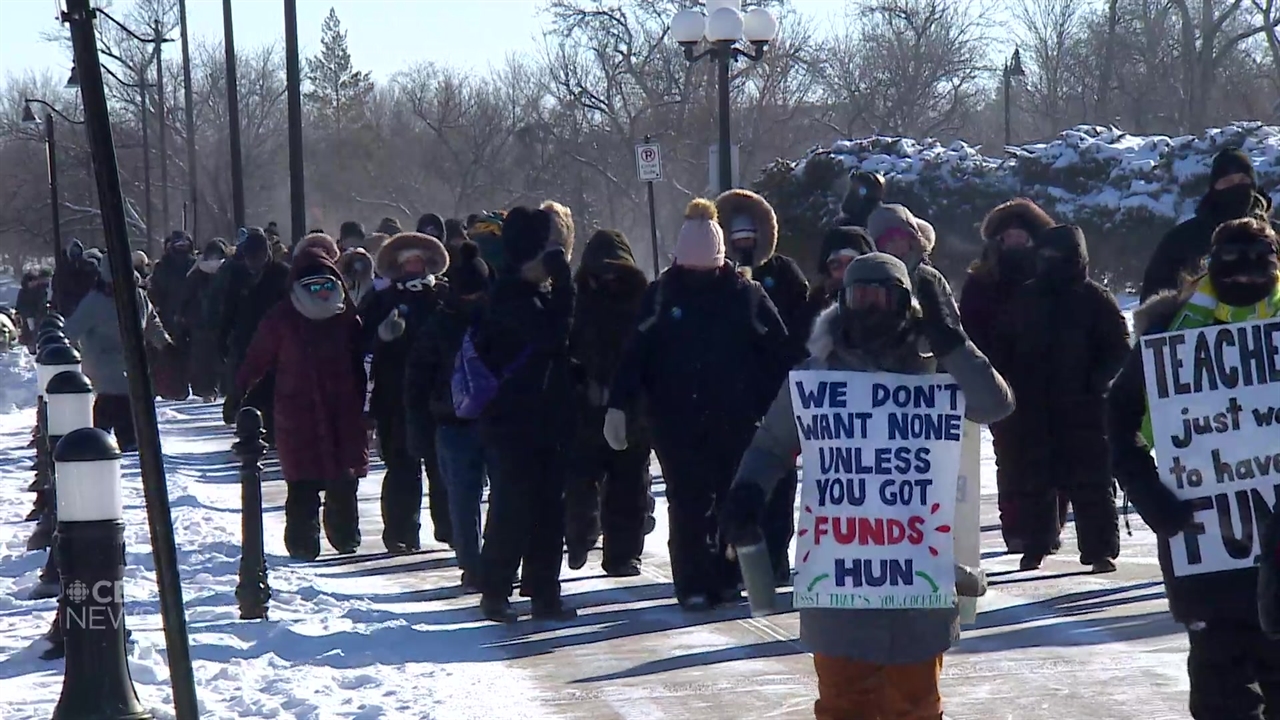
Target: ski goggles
(875, 296)
(318, 284)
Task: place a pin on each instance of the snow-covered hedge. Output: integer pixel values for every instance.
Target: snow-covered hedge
(1124, 190)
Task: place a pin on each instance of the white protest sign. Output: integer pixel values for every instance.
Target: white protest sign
(1214, 398)
(649, 162)
(881, 454)
(967, 523)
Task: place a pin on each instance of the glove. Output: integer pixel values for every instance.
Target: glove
(741, 512)
(941, 321)
(615, 429)
(556, 265)
(392, 327)
(231, 407)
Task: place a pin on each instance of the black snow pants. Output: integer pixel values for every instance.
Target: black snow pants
(341, 513)
(525, 524)
(402, 486)
(607, 493)
(1092, 495)
(1235, 673)
(779, 524)
(204, 366)
(698, 468)
(114, 413)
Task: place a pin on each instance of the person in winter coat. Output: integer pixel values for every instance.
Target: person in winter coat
(389, 226)
(485, 230)
(608, 489)
(1233, 194)
(431, 224)
(142, 266)
(524, 340)
(455, 233)
(32, 304)
(844, 243)
(1234, 669)
(872, 663)
(866, 193)
(1008, 261)
(429, 410)
(318, 241)
(204, 361)
(356, 266)
(706, 357)
(95, 327)
(166, 291)
(350, 235)
(414, 264)
(310, 341)
(749, 224)
(253, 284)
(74, 278)
(1060, 343)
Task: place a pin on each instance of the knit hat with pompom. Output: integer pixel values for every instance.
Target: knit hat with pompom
(700, 242)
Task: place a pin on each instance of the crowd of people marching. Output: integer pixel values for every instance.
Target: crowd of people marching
(478, 352)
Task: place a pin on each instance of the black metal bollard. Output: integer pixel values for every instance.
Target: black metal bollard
(253, 593)
(68, 404)
(90, 547)
(52, 360)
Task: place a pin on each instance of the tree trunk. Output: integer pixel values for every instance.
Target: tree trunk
(1108, 70)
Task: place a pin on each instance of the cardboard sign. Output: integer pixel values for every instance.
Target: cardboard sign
(881, 456)
(1214, 397)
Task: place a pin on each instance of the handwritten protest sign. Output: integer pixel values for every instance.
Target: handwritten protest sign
(1214, 397)
(881, 455)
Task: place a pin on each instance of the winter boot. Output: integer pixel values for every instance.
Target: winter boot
(696, 602)
(496, 609)
(1103, 566)
(629, 568)
(342, 516)
(1030, 562)
(302, 521)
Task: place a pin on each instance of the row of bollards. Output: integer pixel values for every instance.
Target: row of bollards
(79, 510)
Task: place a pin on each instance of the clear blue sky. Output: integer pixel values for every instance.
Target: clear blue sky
(383, 35)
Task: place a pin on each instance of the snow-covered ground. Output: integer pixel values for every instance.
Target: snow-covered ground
(373, 636)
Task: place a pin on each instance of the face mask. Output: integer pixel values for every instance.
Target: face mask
(1243, 275)
(210, 265)
(873, 315)
(1016, 265)
(1056, 269)
(1234, 201)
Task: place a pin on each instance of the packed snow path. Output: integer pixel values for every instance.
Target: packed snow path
(373, 636)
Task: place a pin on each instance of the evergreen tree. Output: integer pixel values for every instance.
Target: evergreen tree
(338, 92)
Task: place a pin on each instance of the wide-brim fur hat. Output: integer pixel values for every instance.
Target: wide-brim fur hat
(318, 241)
(387, 261)
(737, 202)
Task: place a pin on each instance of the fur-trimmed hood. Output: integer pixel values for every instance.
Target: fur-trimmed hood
(562, 230)
(1159, 309)
(319, 241)
(387, 263)
(346, 263)
(1019, 212)
(733, 203)
(909, 357)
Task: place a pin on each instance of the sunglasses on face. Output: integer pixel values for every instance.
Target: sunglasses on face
(316, 286)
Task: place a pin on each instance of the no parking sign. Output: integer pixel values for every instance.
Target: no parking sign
(648, 162)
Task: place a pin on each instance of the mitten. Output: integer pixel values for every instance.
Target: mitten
(615, 429)
(392, 327)
(741, 512)
(941, 316)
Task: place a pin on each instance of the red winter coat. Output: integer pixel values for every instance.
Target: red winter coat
(319, 392)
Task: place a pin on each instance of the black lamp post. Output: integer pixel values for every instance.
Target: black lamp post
(51, 151)
(189, 120)
(1012, 69)
(293, 82)
(84, 42)
(233, 117)
(723, 27)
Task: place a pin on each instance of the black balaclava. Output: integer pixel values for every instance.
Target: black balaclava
(1231, 202)
(1061, 256)
(1017, 264)
(1242, 262)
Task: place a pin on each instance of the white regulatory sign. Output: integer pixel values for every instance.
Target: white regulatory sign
(648, 162)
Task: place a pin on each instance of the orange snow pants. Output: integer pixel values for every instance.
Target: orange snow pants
(853, 690)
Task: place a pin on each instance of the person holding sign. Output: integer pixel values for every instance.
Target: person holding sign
(1060, 343)
(1201, 389)
(880, 434)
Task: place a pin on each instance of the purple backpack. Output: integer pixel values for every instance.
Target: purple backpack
(473, 384)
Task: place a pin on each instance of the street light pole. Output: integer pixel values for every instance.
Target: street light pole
(293, 72)
(146, 157)
(51, 149)
(722, 29)
(84, 42)
(233, 117)
(1012, 69)
(189, 119)
(164, 155)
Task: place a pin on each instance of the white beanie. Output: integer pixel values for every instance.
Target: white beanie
(700, 242)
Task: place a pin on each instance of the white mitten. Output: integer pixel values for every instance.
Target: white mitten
(615, 429)
(392, 327)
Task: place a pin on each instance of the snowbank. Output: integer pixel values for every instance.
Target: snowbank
(1124, 190)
